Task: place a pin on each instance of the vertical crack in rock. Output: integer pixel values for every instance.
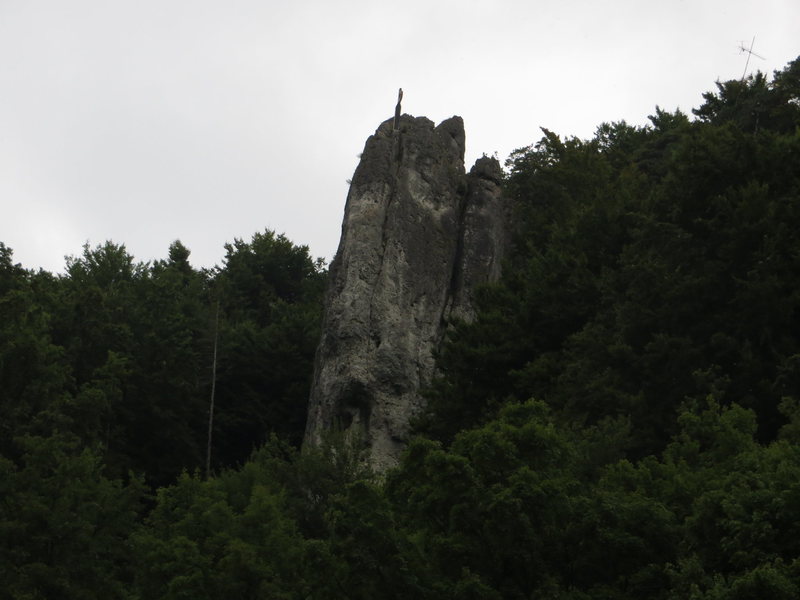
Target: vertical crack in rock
(391, 198)
(483, 237)
(418, 235)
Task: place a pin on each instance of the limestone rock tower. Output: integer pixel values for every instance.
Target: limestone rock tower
(418, 235)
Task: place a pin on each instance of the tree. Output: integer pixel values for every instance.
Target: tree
(63, 525)
(271, 298)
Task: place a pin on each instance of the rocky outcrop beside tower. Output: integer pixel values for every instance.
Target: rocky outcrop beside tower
(418, 235)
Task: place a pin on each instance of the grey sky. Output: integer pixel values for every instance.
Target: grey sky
(149, 121)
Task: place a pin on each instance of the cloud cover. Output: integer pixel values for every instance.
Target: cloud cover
(145, 122)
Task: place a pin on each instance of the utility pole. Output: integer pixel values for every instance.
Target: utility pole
(213, 390)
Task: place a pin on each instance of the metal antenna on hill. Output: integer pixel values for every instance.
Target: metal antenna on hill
(750, 53)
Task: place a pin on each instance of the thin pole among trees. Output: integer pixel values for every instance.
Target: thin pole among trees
(213, 390)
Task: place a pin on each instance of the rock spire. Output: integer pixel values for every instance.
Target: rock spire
(418, 235)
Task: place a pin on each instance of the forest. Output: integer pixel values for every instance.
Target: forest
(620, 421)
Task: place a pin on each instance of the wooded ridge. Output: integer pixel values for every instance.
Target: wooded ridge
(619, 419)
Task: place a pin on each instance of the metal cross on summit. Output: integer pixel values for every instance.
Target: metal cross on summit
(397, 110)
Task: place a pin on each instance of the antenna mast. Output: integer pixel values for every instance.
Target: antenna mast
(749, 54)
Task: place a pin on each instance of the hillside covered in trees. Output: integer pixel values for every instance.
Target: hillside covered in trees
(621, 420)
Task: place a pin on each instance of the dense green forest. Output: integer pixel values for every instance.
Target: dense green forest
(621, 421)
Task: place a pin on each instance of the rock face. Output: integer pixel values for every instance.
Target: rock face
(418, 236)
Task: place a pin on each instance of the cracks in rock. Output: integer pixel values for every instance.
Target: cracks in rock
(456, 272)
(397, 150)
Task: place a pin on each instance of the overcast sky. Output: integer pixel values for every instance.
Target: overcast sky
(153, 120)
